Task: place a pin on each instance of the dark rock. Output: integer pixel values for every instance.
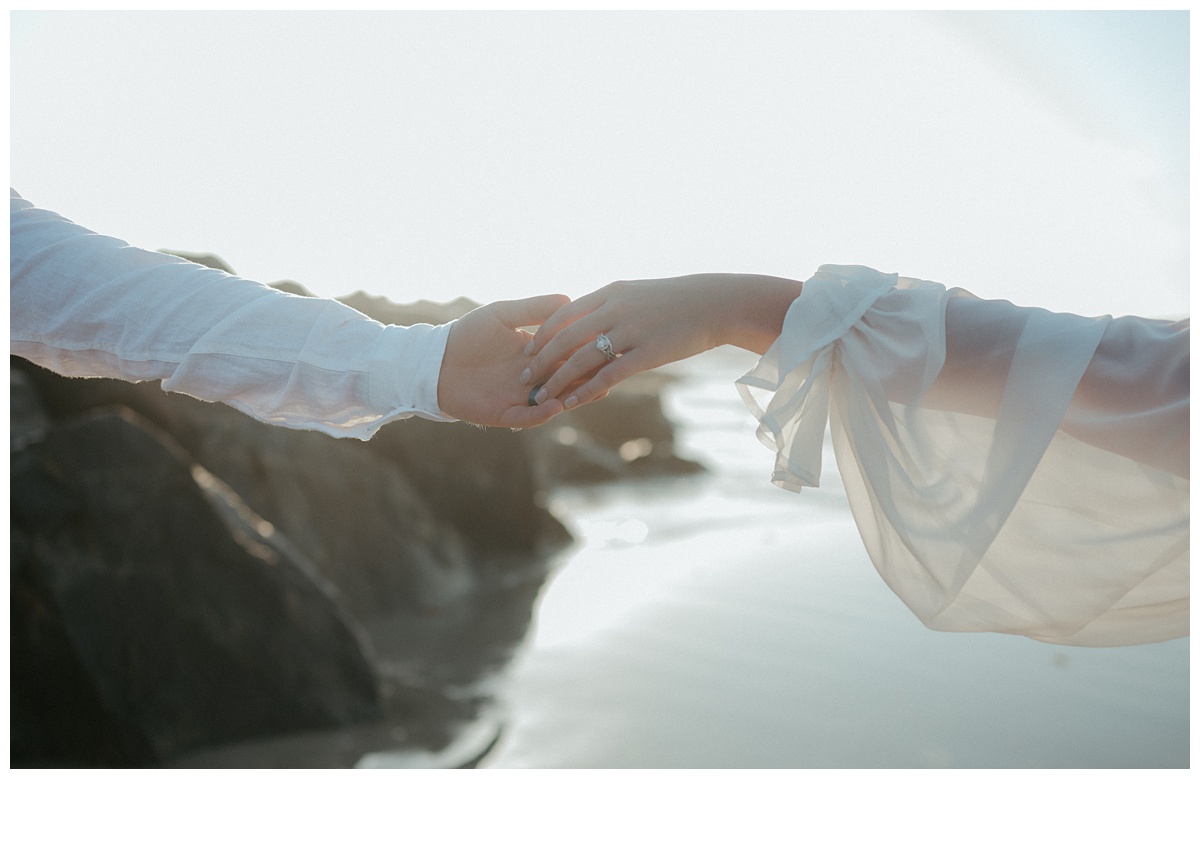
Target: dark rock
(147, 621)
(56, 716)
(62, 398)
(356, 514)
(479, 479)
(290, 286)
(632, 411)
(189, 581)
(624, 436)
(28, 421)
(214, 261)
(391, 313)
(205, 259)
(439, 574)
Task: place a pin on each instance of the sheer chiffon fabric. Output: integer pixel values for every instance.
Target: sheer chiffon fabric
(1009, 469)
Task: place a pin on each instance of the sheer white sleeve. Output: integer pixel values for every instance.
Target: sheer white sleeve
(1010, 469)
(84, 304)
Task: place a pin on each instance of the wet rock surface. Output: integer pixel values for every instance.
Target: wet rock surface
(191, 587)
(189, 625)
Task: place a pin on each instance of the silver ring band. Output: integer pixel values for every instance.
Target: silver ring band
(605, 346)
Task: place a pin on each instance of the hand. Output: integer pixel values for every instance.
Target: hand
(651, 323)
(484, 357)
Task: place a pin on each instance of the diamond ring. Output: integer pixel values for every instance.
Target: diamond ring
(605, 346)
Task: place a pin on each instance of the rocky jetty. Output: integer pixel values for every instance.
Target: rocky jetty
(191, 587)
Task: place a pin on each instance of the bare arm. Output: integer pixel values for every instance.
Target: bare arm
(1132, 399)
(651, 323)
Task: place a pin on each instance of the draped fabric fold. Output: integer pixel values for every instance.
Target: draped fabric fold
(1009, 469)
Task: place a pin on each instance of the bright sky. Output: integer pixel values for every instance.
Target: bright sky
(1037, 157)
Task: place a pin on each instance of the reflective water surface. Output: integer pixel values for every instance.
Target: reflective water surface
(722, 622)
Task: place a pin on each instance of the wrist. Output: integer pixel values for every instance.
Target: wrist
(761, 303)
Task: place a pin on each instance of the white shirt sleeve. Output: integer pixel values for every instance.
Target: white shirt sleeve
(1010, 469)
(83, 304)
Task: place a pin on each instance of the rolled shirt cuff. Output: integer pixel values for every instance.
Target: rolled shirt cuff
(404, 372)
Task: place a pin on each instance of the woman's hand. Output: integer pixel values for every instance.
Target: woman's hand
(650, 323)
(484, 356)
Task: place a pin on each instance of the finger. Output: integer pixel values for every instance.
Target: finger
(599, 385)
(527, 378)
(570, 341)
(585, 361)
(527, 311)
(562, 317)
(523, 417)
(571, 386)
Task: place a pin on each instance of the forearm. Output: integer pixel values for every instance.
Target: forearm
(1121, 385)
(651, 323)
(1132, 398)
(753, 308)
(90, 305)
(1135, 397)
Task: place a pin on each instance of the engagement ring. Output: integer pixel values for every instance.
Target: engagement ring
(605, 346)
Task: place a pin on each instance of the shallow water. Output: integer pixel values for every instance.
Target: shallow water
(721, 622)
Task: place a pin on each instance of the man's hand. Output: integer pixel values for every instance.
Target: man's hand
(485, 355)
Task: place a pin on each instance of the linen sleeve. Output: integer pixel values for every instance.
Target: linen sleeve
(1009, 469)
(84, 304)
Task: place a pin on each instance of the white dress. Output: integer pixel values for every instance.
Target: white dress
(1010, 469)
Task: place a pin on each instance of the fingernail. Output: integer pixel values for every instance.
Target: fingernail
(540, 397)
(526, 375)
(570, 401)
(528, 348)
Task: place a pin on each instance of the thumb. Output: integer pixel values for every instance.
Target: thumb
(527, 311)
